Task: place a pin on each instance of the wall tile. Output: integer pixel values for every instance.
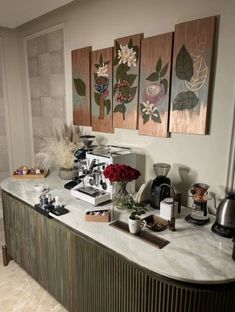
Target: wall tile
(36, 107)
(46, 107)
(45, 86)
(32, 49)
(33, 66)
(55, 40)
(4, 163)
(1, 87)
(42, 127)
(42, 44)
(2, 125)
(57, 85)
(57, 62)
(57, 123)
(58, 104)
(44, 64)
(34, 83)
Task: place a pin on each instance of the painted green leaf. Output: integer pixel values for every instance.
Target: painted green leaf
(156, 118)
(120, 108)
(159, 65)
(145, 118)
(80, 86)
(97, 98)
(153, 77)
(164, 70)
(115, 61)
(185, 100)
(164, 82)
(132, 91)
(184, 65)
(101, 59)
(131, 78)
(121, 72)
(115, 88)
(107, 104)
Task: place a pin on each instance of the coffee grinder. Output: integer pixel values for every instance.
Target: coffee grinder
(158, 191)
(199, 214)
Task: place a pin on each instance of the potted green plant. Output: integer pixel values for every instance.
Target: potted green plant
(134, 221)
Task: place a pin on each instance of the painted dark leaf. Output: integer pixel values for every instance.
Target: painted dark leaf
(156, 118)
(153, 77)
(164, 70)
(107, 104)
(97, 66)
(97, 98)
(137, 52)
(101, 59)
(184, 65)
(131, 78)
(120, 108)
(121, 72)
(145, 118)
(115, 61)
(185, 100)
(115, 88)
(106, 63)
(132, 91)
(142, 107)
(159, 65)
(164, 82)
(80, 86)
(95, 76)
(130, 44)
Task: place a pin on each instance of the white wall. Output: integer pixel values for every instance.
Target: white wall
(98, 23)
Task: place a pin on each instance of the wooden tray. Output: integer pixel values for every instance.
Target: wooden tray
(30, 176)
(143, 235)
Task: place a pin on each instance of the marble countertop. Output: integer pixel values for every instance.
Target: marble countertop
(194, 254)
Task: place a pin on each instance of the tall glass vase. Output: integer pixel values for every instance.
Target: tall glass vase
(121, 198)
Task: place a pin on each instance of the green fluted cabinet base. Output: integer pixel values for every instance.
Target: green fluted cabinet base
(85, 276)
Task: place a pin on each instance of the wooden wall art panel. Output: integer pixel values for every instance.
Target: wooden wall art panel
(155, 70)
(126, 81)
(101, 90)
(191, 75)
(81, 86)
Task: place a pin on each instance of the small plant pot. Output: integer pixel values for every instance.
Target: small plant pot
(66, 174)
(134, 225)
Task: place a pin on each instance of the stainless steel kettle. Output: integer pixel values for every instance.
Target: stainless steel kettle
(225, 217)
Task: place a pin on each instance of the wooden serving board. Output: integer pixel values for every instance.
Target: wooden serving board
(143, 235)
(30, 176)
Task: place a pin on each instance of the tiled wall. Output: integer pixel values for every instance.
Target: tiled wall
(4, 161)
(47, 84)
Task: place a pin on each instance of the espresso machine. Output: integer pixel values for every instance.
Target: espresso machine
(199, 214)
(93, 187)
(159, 189)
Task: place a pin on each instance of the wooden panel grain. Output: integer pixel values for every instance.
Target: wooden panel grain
(126, 81)
(101, 90)
(155, 70)
(81, 86)
(191, 76)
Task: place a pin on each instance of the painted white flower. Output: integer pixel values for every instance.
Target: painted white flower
(102, 71)
(149, 109)
(126, 55)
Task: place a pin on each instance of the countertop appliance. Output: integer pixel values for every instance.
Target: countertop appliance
(225, 217)
(94, 188)
(158, 191)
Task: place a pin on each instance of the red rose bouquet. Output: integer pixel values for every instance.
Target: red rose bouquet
(122, 174)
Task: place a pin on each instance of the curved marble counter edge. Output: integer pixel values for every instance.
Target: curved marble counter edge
(194, 254)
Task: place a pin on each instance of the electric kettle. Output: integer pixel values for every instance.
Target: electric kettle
(225, 217)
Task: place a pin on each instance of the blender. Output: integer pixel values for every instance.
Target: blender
(158, 191)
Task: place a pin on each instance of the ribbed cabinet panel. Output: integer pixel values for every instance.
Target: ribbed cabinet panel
(85, 276)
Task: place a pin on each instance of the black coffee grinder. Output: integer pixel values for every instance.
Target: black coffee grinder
(158, 191)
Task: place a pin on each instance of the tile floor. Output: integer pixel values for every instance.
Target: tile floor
(19, 292)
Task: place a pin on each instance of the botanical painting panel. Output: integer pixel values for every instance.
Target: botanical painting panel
(193, 47)
(101, 90)
(126, 81)
(81, 86)
(155, 72)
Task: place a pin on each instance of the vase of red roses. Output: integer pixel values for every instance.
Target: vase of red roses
(121, 175)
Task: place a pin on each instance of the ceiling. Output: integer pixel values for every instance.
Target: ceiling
(17, 12)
